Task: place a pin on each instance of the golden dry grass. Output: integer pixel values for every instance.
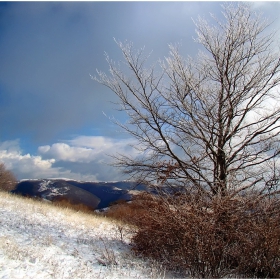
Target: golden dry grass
(67, 214)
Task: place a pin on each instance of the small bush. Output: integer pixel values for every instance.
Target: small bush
(7, 179)
(130, 212)
(223, 238)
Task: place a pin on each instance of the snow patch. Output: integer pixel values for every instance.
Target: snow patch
(44, 186)
(45, 242)
(50, 190)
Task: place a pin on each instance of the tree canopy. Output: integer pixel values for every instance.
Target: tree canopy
(209, 123)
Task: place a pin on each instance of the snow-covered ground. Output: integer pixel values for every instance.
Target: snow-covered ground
(38, 240)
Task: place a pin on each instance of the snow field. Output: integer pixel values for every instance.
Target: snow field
(38, 240)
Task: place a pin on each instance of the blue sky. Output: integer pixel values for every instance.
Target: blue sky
(54, 119)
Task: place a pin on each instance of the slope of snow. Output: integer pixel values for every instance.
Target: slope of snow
(51, 190)
(38, 240)
(44, 185)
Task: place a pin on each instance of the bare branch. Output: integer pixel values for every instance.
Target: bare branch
(210, 123)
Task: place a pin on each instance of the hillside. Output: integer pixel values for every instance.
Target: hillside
(95, 195)
(38, 240)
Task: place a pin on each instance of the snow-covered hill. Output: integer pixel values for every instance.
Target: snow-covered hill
(38, 240)
(95, 195)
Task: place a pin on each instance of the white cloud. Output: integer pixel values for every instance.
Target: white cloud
(25, 164)
(87, 149)
(82, 158)
(99, 142)
(64, 152)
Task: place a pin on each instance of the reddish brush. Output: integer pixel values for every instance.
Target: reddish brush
(222, 238)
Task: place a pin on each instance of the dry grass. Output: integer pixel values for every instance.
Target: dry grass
(13, 250)
(44, 236)
(69, 214)
(64, 203)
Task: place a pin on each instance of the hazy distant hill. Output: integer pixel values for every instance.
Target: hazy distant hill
(92, 194)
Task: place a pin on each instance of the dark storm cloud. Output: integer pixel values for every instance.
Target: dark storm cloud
(46, 59)
(48, 50)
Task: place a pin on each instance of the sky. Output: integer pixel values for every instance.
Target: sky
(55, 121)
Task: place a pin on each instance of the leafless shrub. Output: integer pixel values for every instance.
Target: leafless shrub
(220, 238)
(108, 256)
(7, 179)
(128, 212)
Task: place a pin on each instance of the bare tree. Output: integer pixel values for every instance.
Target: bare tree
(7, 179)
(210, 123)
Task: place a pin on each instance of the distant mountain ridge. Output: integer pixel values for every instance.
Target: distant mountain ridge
(95, 195)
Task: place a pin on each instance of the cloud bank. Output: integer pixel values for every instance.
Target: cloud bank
(82, 158)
